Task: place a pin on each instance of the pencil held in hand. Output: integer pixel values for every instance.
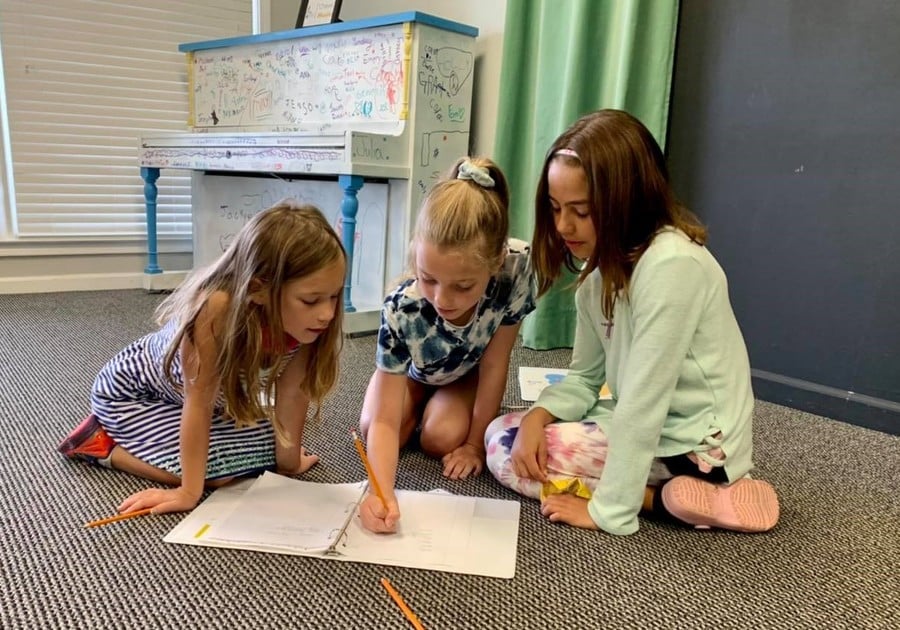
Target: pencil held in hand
(371, 473)
(118, 517)
(407, 612)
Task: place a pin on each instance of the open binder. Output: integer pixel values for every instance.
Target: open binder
(277, 514)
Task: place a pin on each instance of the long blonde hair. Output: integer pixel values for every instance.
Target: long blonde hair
(283, 243)
(461, 213)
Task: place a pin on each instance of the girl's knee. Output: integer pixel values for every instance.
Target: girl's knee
(497, 457)
(445, 424)
(500, 423)
(500, 435)
(498, 445)
(438, 439)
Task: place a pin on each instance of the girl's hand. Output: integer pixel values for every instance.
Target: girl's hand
(376, 518)
(160, 500)
(529, 449)
(463, 461)
(307, 461)
(567, 508)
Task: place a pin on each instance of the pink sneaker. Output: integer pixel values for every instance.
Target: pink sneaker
(747, 505)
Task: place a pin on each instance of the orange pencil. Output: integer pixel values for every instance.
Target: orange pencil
(365, 460)
(409, 614)
(118, 517)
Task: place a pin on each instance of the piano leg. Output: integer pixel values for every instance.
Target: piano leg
(349, 207)
(150, 175)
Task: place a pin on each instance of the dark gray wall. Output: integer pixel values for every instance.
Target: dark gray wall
(785, 139)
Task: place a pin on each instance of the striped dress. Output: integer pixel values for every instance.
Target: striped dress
(141, 410)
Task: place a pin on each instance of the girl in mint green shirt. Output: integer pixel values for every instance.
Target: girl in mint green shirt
(654, 323)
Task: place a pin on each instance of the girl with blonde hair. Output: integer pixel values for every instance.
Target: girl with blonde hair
(222, 389)
(446, 333)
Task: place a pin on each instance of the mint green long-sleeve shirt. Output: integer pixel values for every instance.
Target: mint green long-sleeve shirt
(677, 367)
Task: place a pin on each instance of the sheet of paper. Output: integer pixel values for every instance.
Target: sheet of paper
(534, 379)
(443, 532)
(285, 513)
(193, 528)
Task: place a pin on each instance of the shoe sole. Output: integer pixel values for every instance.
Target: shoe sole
(747, 505)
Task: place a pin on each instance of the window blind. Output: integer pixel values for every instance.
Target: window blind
(84, 80)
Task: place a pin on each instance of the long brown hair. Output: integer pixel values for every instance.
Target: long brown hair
(283, 243)
(630, 199)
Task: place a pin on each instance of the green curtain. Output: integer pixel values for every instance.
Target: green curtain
(562, 59)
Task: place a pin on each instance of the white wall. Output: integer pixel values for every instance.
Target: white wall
(488, 16)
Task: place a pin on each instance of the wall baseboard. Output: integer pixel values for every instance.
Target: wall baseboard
(165, 281)
(857, 409)
(362, 322)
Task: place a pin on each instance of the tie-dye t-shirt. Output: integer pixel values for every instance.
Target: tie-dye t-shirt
(415, 340)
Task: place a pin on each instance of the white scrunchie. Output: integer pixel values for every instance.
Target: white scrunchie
(477, 174)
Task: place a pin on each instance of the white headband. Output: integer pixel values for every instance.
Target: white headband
(568, 152)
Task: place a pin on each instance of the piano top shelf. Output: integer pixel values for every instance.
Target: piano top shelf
(338, 27)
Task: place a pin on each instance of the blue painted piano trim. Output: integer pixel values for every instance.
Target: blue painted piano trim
(150, 175)
(338, 27)
(349, 207)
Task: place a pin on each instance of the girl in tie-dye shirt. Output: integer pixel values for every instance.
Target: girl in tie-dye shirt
(446, 333)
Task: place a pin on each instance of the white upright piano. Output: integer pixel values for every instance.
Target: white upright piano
(385, 99)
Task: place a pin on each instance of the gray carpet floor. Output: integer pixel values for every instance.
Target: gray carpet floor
(832, 562)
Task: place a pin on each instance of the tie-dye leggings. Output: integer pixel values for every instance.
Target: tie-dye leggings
(574, 450)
